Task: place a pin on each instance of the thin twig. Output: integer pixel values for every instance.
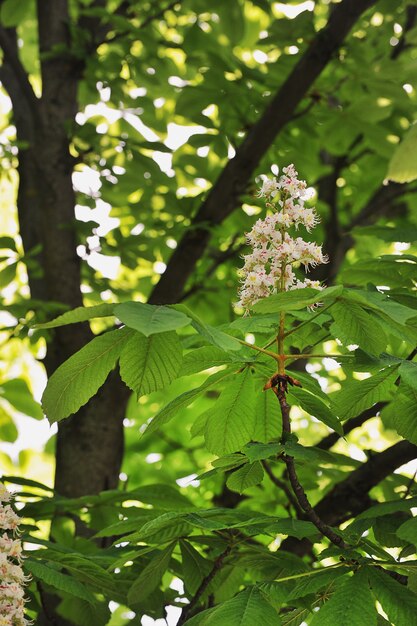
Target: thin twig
(299, 492)
(284, 487)
(273, 355)
(218, 564)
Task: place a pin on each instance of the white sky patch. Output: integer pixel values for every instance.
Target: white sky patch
(101, 215)
(186, 481)
(108, 266)
(87, 181)
(292, 10)
(5, 103)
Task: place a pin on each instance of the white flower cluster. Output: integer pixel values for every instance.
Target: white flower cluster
(270, 267)
(12, 577)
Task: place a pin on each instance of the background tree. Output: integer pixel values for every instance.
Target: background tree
(95, 87)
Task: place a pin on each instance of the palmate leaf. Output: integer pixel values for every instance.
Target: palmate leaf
(18, 394)
(246, 476)
(211, 334)
(80, 314)
(398, 602)
(56, 579)
(353, 325)
(317, 408)
(79, 378)
(203, 358)
(232, 419)
(194, 566)
(184, 400)
(248, 608)
(150, 319)
(356, 396)
(408, 531)
(268, 422)
(403, 165)
(296, 299)
(351, 605)
(151, 576)
(401, 413)
(150, 363)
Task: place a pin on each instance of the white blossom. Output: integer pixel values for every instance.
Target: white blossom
(270, 266)
(12, 577)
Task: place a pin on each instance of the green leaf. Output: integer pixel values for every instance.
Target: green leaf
(18, 394)
(385, 508)
(80, 314)
(13, 12)
(232, 419)
(194, 566)
(398, 602)
(150, 576)
(356, 396)
(390, 234)
(401, 413)
(351, 605)
(150, 363)
(7, 274)
(79, 378)
(161, 529)
(408, 531)
(293, 528)
(317, 408)
(213, 335)
(150, 319)
(268, 421)
(260, 451)
(202, 359)
(296, 299)
(246, 476)
(248, 608)
(184, 400)
(353, 325)
(408, 373)
(8, 430)
(7, 243)
(56, 579)
(402, 167)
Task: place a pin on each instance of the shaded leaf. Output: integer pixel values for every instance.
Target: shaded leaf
(80, 377)
(150, 363)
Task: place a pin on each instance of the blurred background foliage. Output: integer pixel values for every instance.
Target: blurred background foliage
(166, 94)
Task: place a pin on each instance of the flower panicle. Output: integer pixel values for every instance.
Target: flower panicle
(12, 577)
(269, 268)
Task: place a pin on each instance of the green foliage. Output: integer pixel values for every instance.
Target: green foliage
(204, 494)
(18, 394)
(398, 602)
(150, 576)
(247, 608)
(80, 314)
(231, 421)
(150, 363)
(148, 319)
(79, 378)
(402, 167)
(352, 604)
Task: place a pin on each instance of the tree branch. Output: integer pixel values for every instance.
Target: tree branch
(224, 195)
(11, 57)
(350, 497)
(280, 392)
(218, 564)
(283, 486)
